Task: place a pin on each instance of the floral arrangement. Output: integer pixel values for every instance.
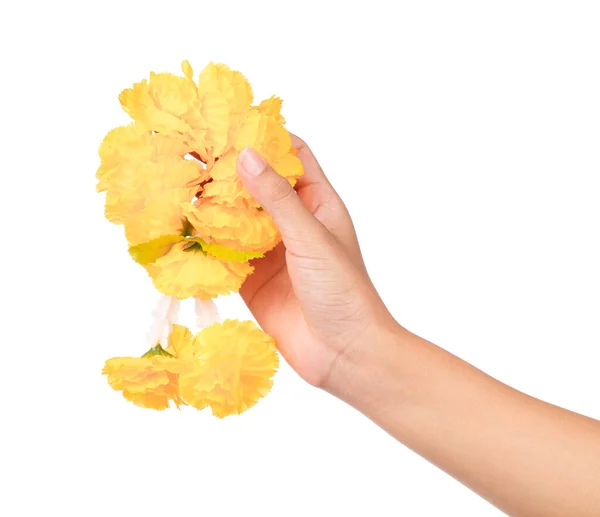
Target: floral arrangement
(170, 179)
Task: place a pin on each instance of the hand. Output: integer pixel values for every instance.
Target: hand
(313, 295)
(312, 292)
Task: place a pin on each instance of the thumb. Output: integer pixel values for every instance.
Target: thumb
(301, 231)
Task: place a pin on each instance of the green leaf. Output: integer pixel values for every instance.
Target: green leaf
(157, 350)
(150, 251)
(223, 253)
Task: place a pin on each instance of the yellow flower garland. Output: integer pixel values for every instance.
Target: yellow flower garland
(170, 179)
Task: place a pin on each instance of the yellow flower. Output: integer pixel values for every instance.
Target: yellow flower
(244, 229)
(151, 381)
(158, 216)
(143, 166)
(167, 104)
(234, 363)
(228, 95)
(121, 146)
(187, 271)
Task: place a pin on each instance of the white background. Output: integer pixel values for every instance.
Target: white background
(463, 136)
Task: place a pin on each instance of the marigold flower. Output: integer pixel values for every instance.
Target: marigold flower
(215, 84)
(246, 229)
(151, 381)
(187, 271)
(233, 368)
(160, 215)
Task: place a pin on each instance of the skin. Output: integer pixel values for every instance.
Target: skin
(313, 295)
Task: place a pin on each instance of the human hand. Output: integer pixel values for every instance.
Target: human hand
(313, 295)
(312, 292)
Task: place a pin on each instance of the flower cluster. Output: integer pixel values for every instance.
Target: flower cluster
(228, 366)
(170, 179)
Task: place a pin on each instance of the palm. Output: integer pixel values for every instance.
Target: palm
(269, 295)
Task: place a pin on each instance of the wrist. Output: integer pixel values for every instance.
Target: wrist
(352, 375)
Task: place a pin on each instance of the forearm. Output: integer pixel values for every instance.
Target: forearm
(527, 457)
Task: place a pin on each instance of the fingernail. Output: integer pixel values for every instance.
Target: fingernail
(251, 162)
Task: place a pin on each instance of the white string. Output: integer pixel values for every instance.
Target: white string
(163, 316)
(207, 313)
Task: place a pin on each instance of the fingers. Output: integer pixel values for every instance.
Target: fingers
(323, 202)
(313, 173)
(301, 232)
(269, 270)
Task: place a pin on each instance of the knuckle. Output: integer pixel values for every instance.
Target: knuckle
(279, 190)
